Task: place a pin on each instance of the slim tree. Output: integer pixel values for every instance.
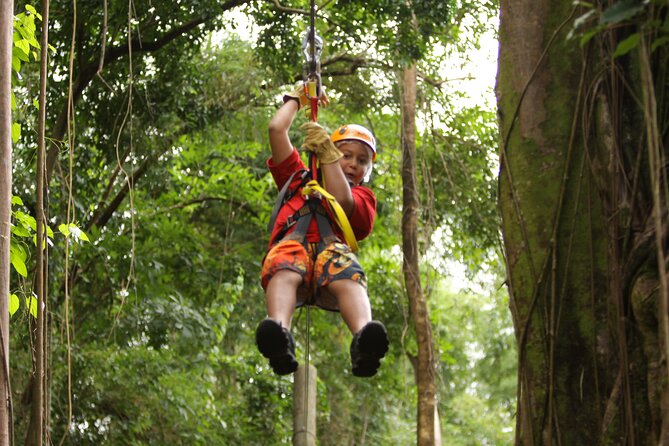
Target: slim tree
(424, 363)
(6, 30)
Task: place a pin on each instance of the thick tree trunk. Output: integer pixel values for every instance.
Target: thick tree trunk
(579, 237)
(6, 30)
(425, 376)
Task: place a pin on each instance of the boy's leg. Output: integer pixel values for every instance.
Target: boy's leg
(283, 270)
(353, 303)
(370, 340)
(280, 296)
(273, 335)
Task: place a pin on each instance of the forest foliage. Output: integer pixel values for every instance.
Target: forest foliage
(162, 162)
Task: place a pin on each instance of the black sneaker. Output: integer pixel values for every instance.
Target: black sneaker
(276, 343)
(368, 346)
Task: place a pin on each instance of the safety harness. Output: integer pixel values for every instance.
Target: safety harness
(313, 207)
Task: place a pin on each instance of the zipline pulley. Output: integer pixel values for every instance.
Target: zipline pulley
(312, 48)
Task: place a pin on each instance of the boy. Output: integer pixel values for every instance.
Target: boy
(307, 262)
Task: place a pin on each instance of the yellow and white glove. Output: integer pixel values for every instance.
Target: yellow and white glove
(299, 94)
(317, 140)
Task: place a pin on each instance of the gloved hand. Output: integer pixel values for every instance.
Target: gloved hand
(299, 94)
(317, 140)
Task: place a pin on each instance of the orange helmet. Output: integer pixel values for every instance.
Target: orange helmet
(355, 132)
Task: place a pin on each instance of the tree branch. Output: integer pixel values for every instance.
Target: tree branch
(113, 54)
(204, 199)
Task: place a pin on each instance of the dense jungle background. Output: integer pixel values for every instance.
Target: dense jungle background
(158, 200)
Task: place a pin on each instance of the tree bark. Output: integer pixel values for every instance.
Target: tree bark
(6, 33)
(425, 374)
(39, 408)
(576, 204)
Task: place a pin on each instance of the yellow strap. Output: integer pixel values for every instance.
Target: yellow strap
(339, 215)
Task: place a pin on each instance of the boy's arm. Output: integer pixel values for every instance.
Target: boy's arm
(278, 131)
(317, 140)
(337, 184)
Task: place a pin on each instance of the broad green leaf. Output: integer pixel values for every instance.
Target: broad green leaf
(64, 229)
(83, 236)
(18, 264)
(13, 304)
(23, 48)
(31, 303)
(25, 219)
(622, 10)
(21, 231)
(16, 249)
(74, 230)
(17, 200)
(31, 9)
(16, 132)
(627, 45)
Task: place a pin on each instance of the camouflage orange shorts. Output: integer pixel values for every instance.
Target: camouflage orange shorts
(318, 269)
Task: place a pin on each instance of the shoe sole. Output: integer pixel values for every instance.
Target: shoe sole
(273, 344)
(372, 346)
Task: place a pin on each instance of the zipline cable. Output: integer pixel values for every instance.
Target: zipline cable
(313, 82)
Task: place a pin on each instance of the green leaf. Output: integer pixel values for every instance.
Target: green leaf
(31, 8)
(20, 231)
(16, 132)
(74, 230)
(18, 264)
(83, 236)
(622, 10)
(627, 45)
(13, 304)
(659, 42)
(588, 35)
(31, 303)
(64, 229)
(22, 48)
(17, 200)
(16, 249)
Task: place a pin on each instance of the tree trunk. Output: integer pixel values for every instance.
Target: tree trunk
(39, 408)
(6, 34)
(425, 376)
(579, 235)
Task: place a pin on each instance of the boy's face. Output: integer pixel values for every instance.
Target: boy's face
(356, 160)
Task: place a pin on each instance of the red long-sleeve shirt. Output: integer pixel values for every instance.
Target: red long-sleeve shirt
(362, 218)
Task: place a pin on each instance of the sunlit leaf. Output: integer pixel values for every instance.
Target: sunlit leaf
(21, 231)
(64, 229)
(31, 303)
(16, 132)
(13, 304)
(18, 264)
